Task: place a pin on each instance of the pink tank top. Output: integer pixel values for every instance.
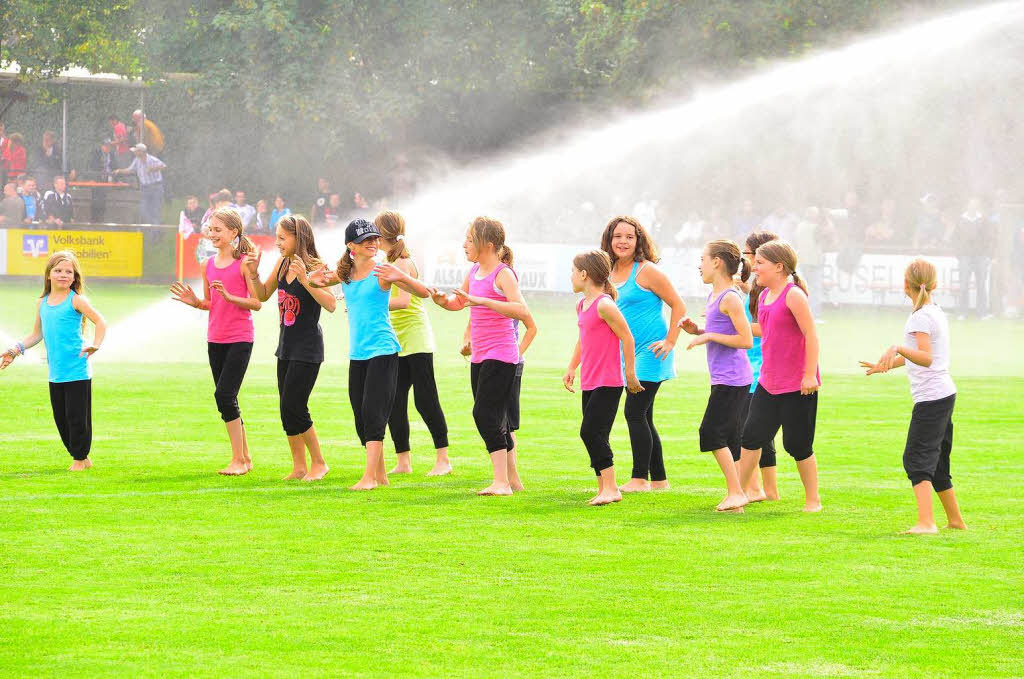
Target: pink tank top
(782, 346)
(600, 349)
(228, 323)
(492, 335)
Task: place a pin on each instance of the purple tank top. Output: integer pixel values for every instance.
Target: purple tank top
(783, 348)
(492, 336)
(228, 323)
(727, 365)
(600, 349)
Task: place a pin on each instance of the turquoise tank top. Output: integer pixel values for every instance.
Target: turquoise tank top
(754, 352)
(62, 333)
(369, 321)
(644, 314)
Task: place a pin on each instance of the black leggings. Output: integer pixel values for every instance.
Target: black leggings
(600, 406)
(648, 461)
(767, 452)
(371, 391)
(228, 362)
(491, 382)
(416, 371)
(72, 413)
(295, 380)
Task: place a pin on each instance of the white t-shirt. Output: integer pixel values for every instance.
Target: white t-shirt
(931, 383)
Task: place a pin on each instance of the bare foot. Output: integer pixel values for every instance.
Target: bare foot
(812, 507)
(771, 495)
(605, 498)
(364, 484)
(660, 485)
(496, 489)
(956, 525)
(516, 485)
(757, 495)
(88, 465)
(440, 469)
(296, 474)
(635, 486)
(918, 529)
(732, 503)
(401, 469)
(78, 466)
(316, 472)
(248, 465)
(383, 480)
(234, 469)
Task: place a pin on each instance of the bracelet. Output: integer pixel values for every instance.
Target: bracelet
(21, 347)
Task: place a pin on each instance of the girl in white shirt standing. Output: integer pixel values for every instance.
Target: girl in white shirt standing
(930, 439)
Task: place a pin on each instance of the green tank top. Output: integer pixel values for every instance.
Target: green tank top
(412, 325)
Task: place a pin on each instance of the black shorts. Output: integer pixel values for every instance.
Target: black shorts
(513, 404)
(721, 426)
(792, 411)
(929, 443)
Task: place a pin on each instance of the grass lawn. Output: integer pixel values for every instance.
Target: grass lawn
(153, 565)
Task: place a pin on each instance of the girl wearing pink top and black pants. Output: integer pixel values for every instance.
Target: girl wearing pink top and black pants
(230, 330)
(605, 341)
(787, 390)
(491, 290)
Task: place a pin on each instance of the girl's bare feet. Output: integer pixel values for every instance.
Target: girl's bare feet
(771, 495)
(296, 474)
(316, 472)
(660, 485)
(441, 468)
(88, 465)
(956, 525)
(812, 507)
(364, 484)
(78, 466)
(236, 468)
(636, 486)
(919, 529)
(605, 498)
(516, 485)
(756, 495)
(496, 489)
(732, 503)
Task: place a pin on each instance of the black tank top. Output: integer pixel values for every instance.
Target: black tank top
(301, 338)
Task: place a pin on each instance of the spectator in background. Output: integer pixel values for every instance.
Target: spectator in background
(46, 162)
(57, 203)
(279, 211)
(263, 217)
(883, 231)
(691, 233)
(146, 132)
(851, 233)
(122, 145)
(975, 245)
(812, 236)
(103, 161)
(218, 200)
(333, 210)
(716, 227)
(15, 158)
(359, 202)
(318, 213)
(932, 225)
(4, 142)
(148, 169)
(35, 211)
(191, 218)
(12, 207)
(245, 211)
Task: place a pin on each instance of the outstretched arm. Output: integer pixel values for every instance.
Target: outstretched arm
(29, 341)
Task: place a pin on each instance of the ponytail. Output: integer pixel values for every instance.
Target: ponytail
(391, 225)
(922, 297)
(921, 274)
(598, 267)
(610, 290)
(244, 247)
(345, 267)
(800, 283)
(506, 256)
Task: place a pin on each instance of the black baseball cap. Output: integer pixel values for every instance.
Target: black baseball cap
(359, 230)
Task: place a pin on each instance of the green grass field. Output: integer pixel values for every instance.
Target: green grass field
(151, 564)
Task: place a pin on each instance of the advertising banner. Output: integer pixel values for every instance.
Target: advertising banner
(3, 252)
(107, 254)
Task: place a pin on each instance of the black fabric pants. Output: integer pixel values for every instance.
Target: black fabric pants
(492, 383)
(416, 372)
(929, 443)
(371, 391)
(72, 413)
(648, 460)
(228, 362)
(767, 450)
(295, 380)
(796, 413)
(599, 409)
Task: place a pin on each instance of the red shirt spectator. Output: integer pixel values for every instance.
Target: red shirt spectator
(15, 158)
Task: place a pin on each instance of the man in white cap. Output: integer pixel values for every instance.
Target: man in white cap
(151, 183)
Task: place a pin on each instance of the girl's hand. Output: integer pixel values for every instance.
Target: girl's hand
(887, 359)
(251, 262)
(808, 385)
(662, 349)
(319, 277)
(6, 359)
(633, 385)
(298, 269)
(872, 368)
(468, 299)
(389, 273)
(88, 351)
(218, 286)
(689, 326)
(440, 298)
(698, 340)
(183, 293)
(567, 379)
(467, 349)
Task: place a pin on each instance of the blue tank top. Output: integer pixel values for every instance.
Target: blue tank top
(62, 332)
(643, 311)
(369, 321)
(754, 352)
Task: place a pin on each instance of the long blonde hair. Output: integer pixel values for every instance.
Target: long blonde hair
(229, 218)
(391, 225)
(598, 267)
(77, 284)
(490, 230)
(920, 275)
(781, 252)
(305, 247)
